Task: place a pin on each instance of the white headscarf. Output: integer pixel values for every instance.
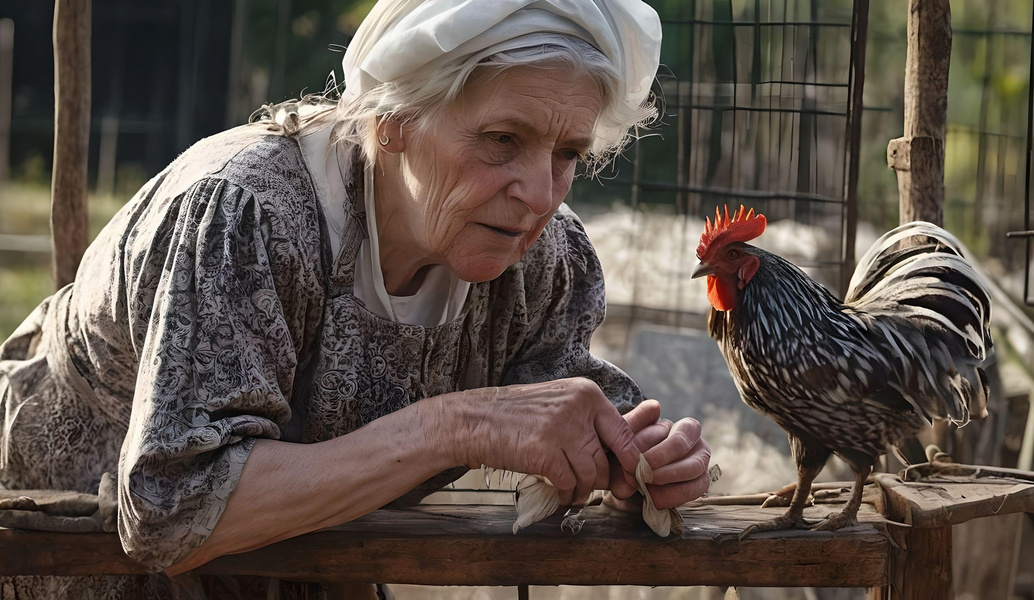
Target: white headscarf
(400, 36)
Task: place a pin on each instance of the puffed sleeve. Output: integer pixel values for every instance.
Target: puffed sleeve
(566, 302)
(216, 370)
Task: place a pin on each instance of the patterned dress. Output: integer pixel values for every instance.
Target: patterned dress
(210, 313)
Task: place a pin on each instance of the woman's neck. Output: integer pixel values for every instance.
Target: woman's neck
(404, 261)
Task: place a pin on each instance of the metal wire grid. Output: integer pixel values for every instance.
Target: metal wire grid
(761, 109)
(1003, 159)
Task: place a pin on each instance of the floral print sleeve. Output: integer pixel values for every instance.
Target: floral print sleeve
(566, 303)
(217, 368)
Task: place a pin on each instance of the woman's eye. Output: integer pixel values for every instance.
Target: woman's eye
(498, 147)
(571, 155)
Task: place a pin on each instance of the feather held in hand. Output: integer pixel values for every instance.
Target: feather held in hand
(535, 499)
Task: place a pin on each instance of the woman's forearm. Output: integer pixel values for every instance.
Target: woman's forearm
(559, 429)
(289, 489)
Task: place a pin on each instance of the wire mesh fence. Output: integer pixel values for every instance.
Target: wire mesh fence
(987, 140)
(759, 102)
(760, 106)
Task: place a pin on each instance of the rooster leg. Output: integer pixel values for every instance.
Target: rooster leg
(783, 497)
(849, 516)
(811, 458)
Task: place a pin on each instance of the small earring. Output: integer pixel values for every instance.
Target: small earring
(383, 139)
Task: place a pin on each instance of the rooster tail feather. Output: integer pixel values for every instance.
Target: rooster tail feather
(932, 308)
(921, 271)
(888, 242)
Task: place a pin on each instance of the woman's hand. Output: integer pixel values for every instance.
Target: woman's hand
(677, 454)
(562, 430)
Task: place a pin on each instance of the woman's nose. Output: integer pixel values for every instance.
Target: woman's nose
(534, 187)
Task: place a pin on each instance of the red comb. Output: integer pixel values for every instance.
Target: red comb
(743, 226)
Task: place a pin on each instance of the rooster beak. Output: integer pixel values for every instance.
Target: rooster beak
(702, 269)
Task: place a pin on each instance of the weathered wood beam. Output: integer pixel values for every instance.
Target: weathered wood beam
(474, 545)
(921, 567)
(936, 497)
(918, 156)
(69, 218)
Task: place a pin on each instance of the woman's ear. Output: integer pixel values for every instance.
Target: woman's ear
(389, 136)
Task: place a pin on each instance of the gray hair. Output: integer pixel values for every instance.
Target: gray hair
(422, 97)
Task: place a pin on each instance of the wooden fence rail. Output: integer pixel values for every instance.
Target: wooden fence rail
(901, 549)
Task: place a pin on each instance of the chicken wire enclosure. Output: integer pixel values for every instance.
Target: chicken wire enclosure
(760, 103)
(1005, 156)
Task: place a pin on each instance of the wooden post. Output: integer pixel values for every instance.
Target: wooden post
(918, 157)
(922, 571)
(921, 568)
(6, 83)
(69, 219)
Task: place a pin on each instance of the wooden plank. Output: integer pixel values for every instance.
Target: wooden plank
(474, 545)
(49, 553)
(950, 500)
(69, 220)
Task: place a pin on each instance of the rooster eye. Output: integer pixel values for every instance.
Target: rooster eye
(733, 254)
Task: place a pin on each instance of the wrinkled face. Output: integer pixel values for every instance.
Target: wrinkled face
(491, 173)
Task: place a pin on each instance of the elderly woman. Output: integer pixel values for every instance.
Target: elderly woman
(303, 319)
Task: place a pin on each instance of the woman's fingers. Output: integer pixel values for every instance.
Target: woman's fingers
(602, 461)
(616, 435)
(559, 471)
(591, 472)
(683, 436)
(583, 471)
(652, 435)
(677, 494)
(646, 413)
(568, 431)
(686, 469)
(679, 464)
(649, 430)
(562, 430)
(633, 504)
(622, 483)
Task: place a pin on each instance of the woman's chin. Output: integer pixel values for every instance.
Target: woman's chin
(481, 270)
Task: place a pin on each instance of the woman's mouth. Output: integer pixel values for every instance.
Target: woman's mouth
(507, 232)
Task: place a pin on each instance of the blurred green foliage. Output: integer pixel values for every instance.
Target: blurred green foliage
(25, 277)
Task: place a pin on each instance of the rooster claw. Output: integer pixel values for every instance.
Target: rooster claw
(776, 501)
(779, 501)
(783, 497)
(777, 524)
(835, 522)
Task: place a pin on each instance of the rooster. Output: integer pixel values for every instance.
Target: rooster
(852, 378)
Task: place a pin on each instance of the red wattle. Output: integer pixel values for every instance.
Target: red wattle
(720, 294)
